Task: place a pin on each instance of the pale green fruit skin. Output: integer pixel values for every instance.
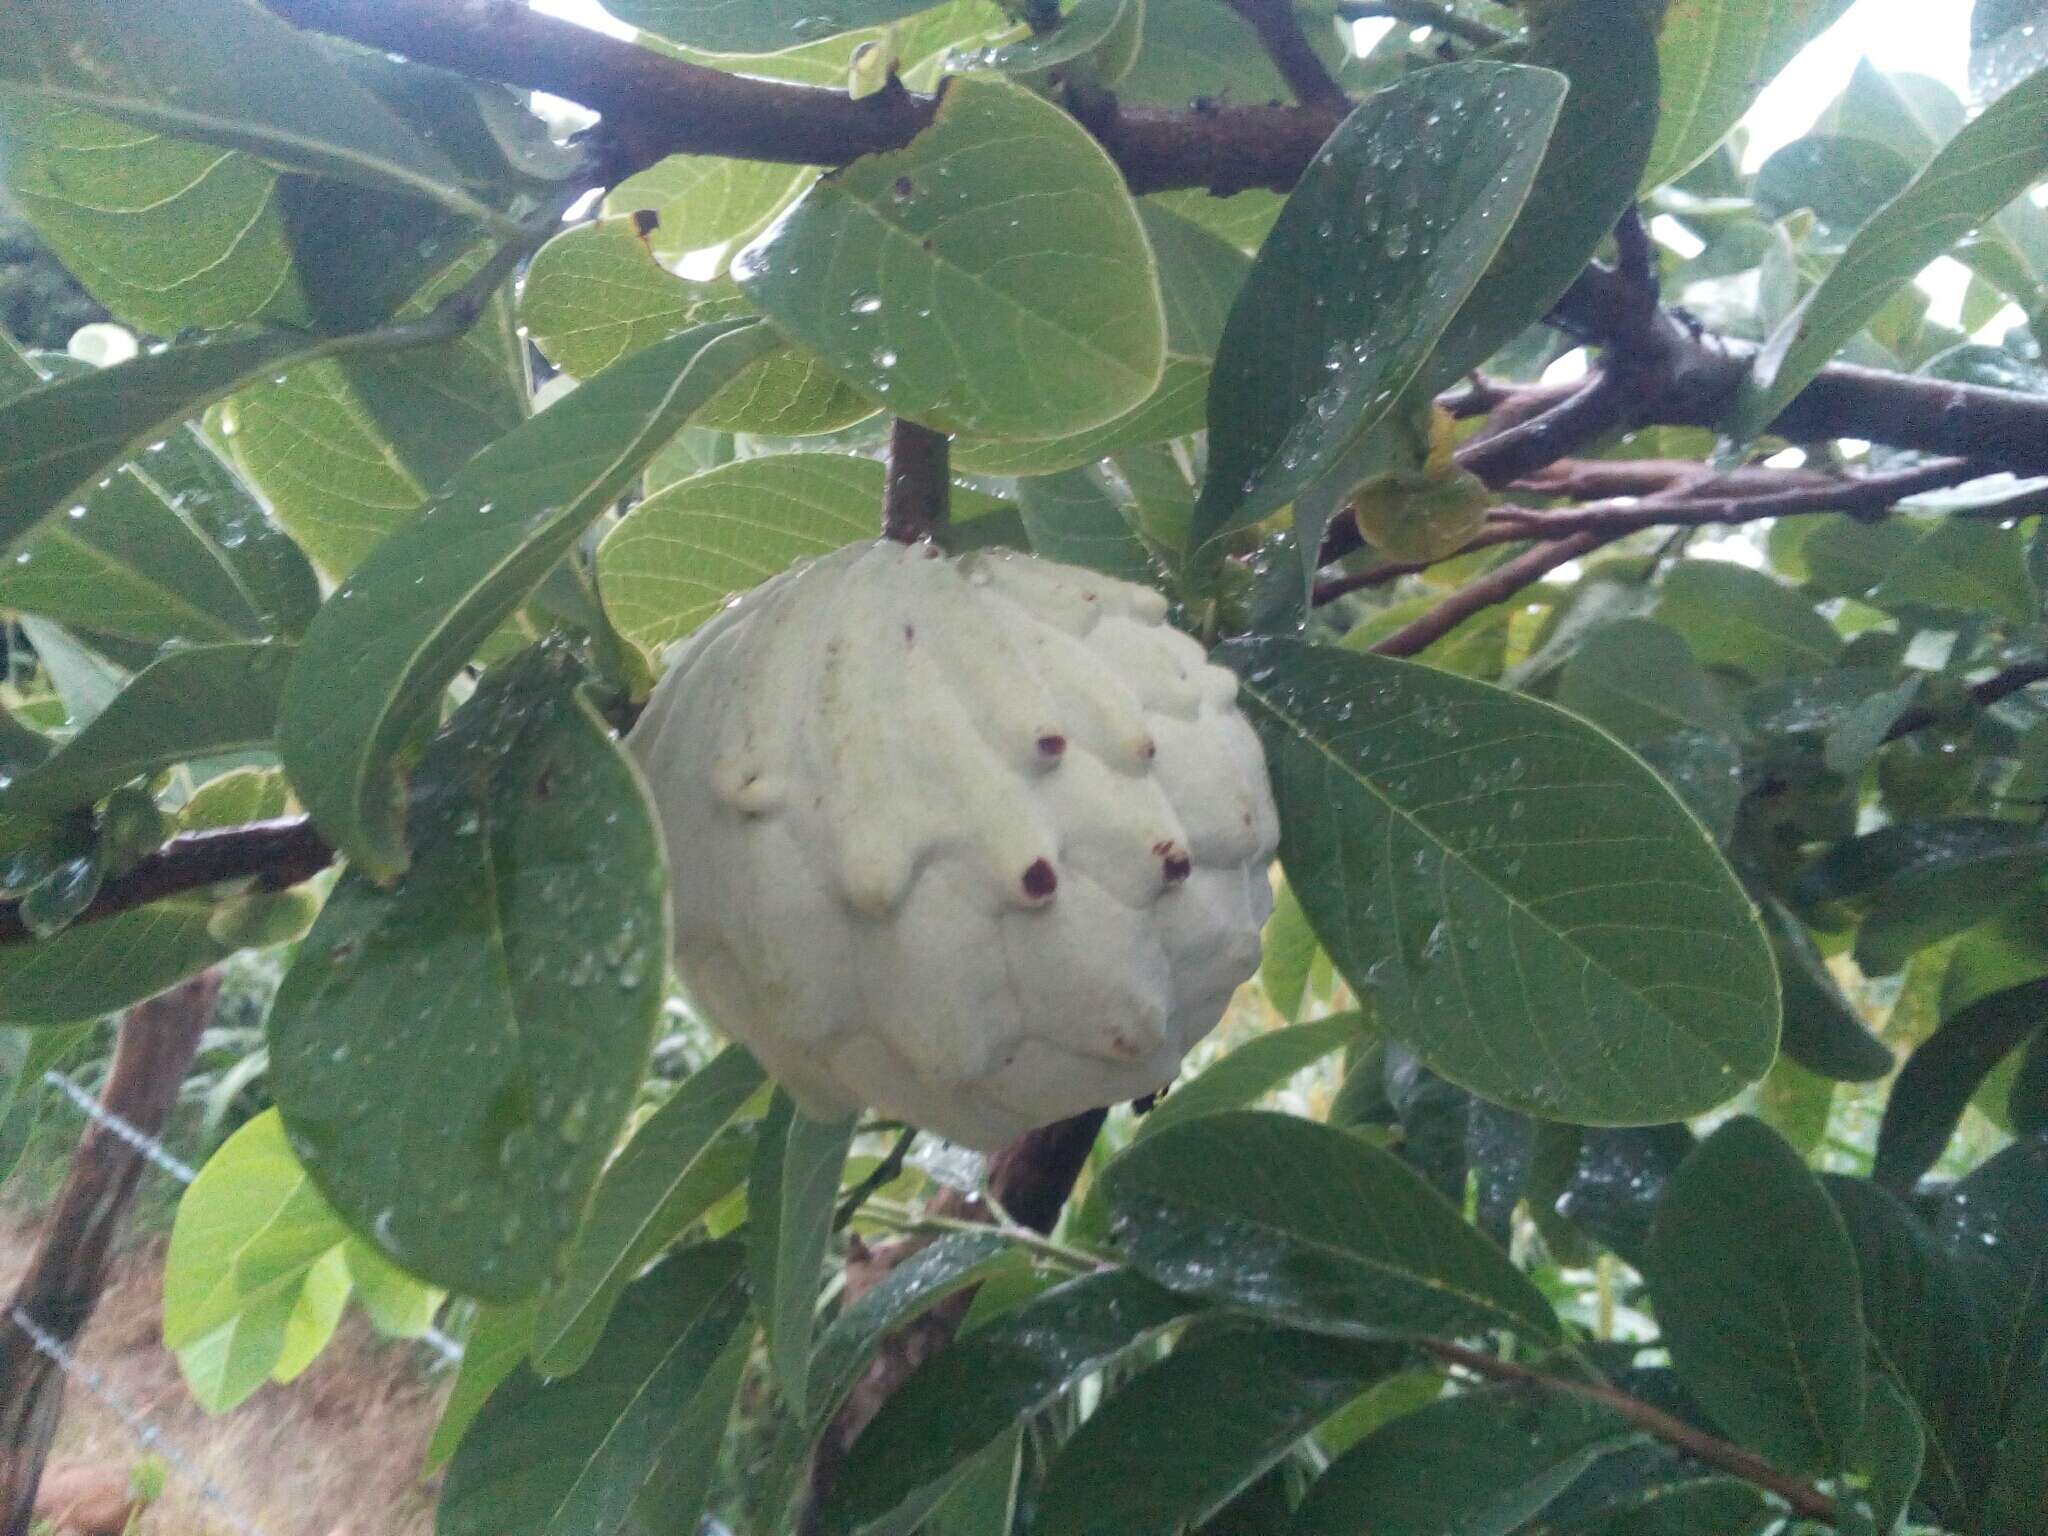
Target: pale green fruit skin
(868, 767)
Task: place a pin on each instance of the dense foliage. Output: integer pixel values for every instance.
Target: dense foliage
(1640, 1121)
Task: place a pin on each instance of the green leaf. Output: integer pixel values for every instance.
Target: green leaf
(1255, 1068)
(1992, 161)
(1389, 229)
(1212, 1207)
(199, 701)
(2018, 1498)
(677, 1165)
(348, 449)
(1890, 1452)
(790, 1204)
(1287, 953)
(164, 232)
(399, 1306)
(594, 293)
(1925, 1334)
(1944, 1073)
(756, 26)
(699, 201)
(1639, 681)
(91, 969)
(1705, 771)
(227, 72)
(248, 1235)
(1002, 221)
(1452, 846)
(1771, 1345)
(380, 652)
(1479, 1464)
(1715, 56)
(1197, 49)
(1843, 180)
(84, 426)
(1965, 566)
(1143, 1465)
(1741, 619)
(1995, 1222)
(1072, 517)
(630, 1442)
(1823, 1031)
(454, 1056)
(678, 556)
(966, 1396)
(495, 1348)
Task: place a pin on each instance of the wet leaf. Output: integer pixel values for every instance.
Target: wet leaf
(1789, 1379)
(1255, 1068)
(1944, 1073)
(1212, 1207)
(1741, 619)
(454, 1056)
(1639, 681)
(1003, 222)
(1074, 518)
(790, 1203)
(1441, 835)
(1823, 1031)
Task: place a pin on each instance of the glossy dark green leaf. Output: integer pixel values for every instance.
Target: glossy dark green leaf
(1890, 1452)
(494, 1348)
(1453, 847)
(1926, 1334)
(1002, 221)
(227, 72)
(1254, 1068)
(791, 1196)
(1652, 1491)
(1143, 1465)
(1716, 56)
(1995, 1223)
(1212, 1207)
(1639, 681)
(1479, 1464)
(1773, 1350)
(2027, 1096)
(1920, 881)
(1988, 164)
(1741, 619)
(198, 701)
(969, 1394)
(1944, 1073)
(84, 426)
(678, 1163)
(454, 1056)
(375, 661)
(1390, 228)
(1616, 1180)
(1823, 1031)
(630, 1442)
(1704, 769)
(1842, 179)
(1072, 517)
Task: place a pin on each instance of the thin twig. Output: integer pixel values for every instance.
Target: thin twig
(1420, 13)
(882, 1173)
(901, 1219)
(915, 496)
(1496, 586)
(2000, 685)
(1805, 1500)
(1279, 33)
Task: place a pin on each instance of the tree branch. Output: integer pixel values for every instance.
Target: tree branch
(1279, 33)
(2000, 685)
(915, 496)
(1421, 13)
(1496, 586)
(1805, 1500)
(280, 853)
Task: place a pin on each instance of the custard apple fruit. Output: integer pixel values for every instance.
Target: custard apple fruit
(980, 842)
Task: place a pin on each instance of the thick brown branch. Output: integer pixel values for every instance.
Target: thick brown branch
(280, 853)
(1279, 33)
(914, 497)
(1804, 1499)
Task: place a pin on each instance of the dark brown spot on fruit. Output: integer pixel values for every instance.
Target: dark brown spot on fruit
(645, 222)
(909, 633)
(1039, 880)
(1051, 746)
(905, 189)
(1148, 749)
(1175, 864)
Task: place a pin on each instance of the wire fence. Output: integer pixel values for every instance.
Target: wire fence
(148, 1434)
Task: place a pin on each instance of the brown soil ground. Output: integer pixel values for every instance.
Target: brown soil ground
(335, 1453)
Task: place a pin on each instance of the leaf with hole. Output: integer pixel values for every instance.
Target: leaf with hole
(1525, 905)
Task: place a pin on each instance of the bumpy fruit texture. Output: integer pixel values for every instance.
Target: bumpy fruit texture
(981, 843)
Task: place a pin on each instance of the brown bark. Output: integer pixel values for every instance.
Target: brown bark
(151, 1054)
